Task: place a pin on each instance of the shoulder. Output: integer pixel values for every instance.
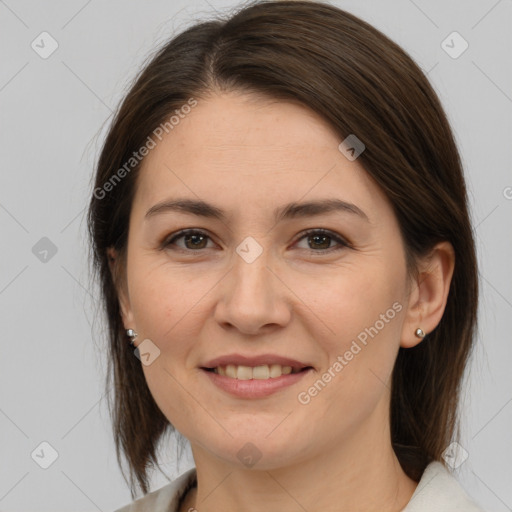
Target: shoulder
(165, 499)
(439, 491)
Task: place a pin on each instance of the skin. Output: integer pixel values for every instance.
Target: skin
(300, 298)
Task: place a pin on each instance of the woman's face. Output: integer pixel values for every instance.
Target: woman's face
(254, 282)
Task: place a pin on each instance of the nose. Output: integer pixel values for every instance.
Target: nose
(253, 297)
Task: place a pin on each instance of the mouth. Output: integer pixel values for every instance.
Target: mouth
(260, 372)
(255, 382)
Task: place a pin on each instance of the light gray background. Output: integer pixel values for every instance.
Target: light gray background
(53, 117)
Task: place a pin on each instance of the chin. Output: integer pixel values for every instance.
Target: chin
(258, 452)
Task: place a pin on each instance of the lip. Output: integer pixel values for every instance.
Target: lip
(254, 388)
(239, 359)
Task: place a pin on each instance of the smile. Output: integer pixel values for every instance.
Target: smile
(254, 382)
(261, 372)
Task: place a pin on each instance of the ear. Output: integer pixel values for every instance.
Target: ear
(428, 293)
(121, 288)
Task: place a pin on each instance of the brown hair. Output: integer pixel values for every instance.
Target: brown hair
(360, 82)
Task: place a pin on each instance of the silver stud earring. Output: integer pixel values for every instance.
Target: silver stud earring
(419, 333)
(132, 335)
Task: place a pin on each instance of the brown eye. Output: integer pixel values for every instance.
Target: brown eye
(193, 240)
(319, 240)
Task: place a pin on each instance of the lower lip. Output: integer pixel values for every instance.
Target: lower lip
(255, 388)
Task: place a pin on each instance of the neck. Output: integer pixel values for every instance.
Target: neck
(359, 473)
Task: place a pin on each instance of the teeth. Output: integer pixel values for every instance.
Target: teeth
(258, 372)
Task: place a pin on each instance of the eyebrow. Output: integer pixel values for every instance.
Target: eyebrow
(289, 211)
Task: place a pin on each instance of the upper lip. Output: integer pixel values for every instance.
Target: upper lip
(238, 359)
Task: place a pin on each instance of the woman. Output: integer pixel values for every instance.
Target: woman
(280, 228)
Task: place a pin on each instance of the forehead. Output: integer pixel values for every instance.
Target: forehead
(246, 150)
(236, 125)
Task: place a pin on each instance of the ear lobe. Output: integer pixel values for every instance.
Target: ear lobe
(429, 293)
(121, 288)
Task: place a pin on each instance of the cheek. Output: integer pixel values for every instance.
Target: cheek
(164, 300)
(364, 313)
(164, 304)
(360, 305)
(353, 387)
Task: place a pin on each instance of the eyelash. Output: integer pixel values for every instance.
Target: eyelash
(308, 233)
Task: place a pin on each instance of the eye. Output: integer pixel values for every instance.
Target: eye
(321, 241)
(193, 239)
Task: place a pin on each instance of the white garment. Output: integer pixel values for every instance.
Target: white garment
(437, 491)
